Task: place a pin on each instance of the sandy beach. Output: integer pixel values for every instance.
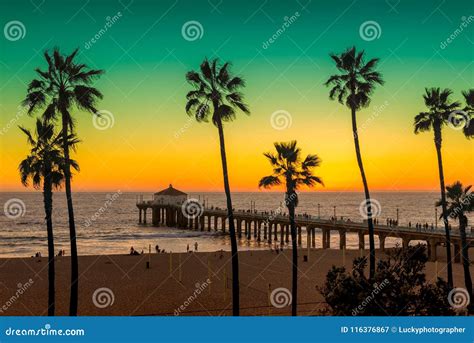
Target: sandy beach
(201, 286)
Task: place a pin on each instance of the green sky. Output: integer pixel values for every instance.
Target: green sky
(145, 57)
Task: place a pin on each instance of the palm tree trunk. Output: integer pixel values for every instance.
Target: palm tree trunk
(437, 134)
(74, 291)
(48, 209)
(230, 215)
(294, 279)
(367, 196)
(465, 260)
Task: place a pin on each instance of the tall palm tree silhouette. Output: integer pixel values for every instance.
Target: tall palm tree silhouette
(58, 89)
(44, 166)
(289, 169)
(353, 87)
(467, 118)
(439, 113)
(216, 94)
(460, 200)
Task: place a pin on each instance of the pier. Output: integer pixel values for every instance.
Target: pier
(268, 227)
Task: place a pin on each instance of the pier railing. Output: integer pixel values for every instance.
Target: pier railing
(311, 220)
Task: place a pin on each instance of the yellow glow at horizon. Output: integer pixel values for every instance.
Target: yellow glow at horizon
(136, 156)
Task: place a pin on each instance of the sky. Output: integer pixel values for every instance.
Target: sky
(147, 141)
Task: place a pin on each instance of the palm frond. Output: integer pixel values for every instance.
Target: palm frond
(269, 181)
(288, 169)
(423, 122)
(214, 86)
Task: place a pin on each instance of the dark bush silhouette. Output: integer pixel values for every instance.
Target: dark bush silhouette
(399, 288)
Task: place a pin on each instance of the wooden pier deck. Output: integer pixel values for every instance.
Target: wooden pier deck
(263, 226)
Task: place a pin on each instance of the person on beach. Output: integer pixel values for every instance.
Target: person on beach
(196, 246)
(187, 247)
(157, 248)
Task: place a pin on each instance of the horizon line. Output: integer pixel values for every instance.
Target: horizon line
(239, 191)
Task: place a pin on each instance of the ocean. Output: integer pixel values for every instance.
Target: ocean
(107, 223)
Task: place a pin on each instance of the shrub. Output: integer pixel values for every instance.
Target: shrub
(398, 289)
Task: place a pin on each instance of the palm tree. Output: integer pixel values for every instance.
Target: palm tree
(44, 166)
(289, 169)
(62, 86)
(460, 201)
(468, 120)
(353, 87)
(439, 110)
(217, 94)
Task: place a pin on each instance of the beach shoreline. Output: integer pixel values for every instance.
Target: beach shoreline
(122, 285)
